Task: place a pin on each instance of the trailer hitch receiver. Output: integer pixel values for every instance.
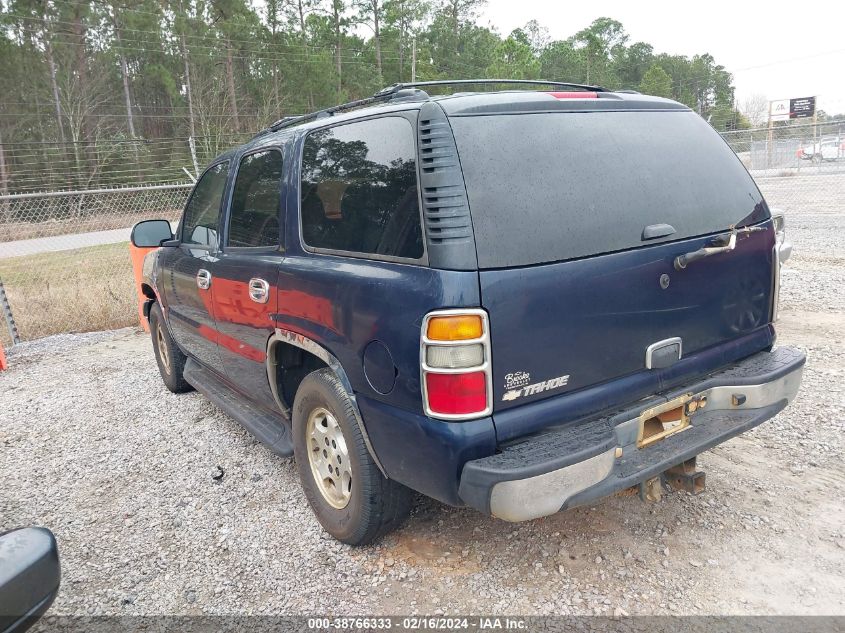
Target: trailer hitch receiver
(685, 477)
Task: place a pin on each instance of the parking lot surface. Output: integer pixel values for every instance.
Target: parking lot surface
(163, 505)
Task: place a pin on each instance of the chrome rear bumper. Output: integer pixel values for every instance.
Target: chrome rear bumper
(577, 463)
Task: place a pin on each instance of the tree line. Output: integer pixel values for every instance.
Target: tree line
(106, 92)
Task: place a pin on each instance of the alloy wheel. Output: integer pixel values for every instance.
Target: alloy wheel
(328, 457)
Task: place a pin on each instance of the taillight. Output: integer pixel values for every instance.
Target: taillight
(460, 327)
(779, 223)
(455, 359)
(456, 394)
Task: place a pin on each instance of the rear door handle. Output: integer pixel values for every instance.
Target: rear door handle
(259, 290)
(653, 231)
(203, 279)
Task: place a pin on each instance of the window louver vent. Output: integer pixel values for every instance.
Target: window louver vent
(448, 226)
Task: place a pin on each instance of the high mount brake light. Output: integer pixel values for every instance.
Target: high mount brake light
(455, 364)
(574, 95)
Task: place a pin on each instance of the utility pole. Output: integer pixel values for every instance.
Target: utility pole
(188, 91)
(193, 147)
(413, 60)
(124, 73)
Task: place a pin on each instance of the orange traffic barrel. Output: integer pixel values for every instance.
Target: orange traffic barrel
(137, 254)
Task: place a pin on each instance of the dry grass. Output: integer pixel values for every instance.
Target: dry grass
(70, 291)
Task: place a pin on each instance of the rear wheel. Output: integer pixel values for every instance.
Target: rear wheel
(170, 359)
(351, 498)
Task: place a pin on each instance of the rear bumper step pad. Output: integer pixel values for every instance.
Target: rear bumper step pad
(576, 463)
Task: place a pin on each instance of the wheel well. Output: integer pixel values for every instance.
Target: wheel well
(292, 365)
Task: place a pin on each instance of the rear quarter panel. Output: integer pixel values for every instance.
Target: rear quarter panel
(345, 303)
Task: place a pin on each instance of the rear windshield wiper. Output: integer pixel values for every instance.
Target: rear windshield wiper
(721, 244)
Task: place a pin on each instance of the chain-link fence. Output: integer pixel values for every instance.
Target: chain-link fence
(64, 261)
(782, 149)
(799, 167)
(65, 266)
(106, 162)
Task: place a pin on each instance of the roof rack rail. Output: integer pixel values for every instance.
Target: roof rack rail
(412, 89)
(464, 82)
(382, 95)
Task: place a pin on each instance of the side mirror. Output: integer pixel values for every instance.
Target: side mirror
(151, 233)
(784, 247)
(29, 577)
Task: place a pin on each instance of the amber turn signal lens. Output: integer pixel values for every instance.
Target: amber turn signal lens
(455, 328)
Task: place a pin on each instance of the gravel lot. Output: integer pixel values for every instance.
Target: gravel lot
(94, 447)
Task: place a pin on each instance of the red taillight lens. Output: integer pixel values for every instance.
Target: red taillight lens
(457, 394)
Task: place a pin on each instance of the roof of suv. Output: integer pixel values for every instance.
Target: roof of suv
(524, 101)
(520, 101)
(450, 244)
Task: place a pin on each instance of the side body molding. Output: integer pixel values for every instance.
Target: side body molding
(305, 343)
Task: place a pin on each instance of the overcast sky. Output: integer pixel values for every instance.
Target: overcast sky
(771, 49)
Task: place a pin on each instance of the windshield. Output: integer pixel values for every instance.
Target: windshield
(556, 186)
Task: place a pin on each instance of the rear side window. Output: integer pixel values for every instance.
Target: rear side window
(556, 186)
(254, 219)
(203, 210)
(359, 189)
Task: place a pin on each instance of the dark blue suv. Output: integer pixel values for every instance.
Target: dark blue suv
(517, 300)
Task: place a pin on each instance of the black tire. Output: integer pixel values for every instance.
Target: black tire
(170, 359)
(376, 505)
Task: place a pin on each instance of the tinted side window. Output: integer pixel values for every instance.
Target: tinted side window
(203, 210)
(256, 198)
(359, 189)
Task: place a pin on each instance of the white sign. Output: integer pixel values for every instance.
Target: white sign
(779, 110)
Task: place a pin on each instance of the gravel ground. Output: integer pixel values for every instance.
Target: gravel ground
(127, 476)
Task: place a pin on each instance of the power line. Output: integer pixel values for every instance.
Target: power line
(791, 59)
(278, 56)
(74, 40)
(294, 55)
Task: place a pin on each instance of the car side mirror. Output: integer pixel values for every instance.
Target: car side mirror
(784, 247)
(151, 233)
(29, 577)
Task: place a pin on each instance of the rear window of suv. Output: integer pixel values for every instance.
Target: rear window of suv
(556, 186)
